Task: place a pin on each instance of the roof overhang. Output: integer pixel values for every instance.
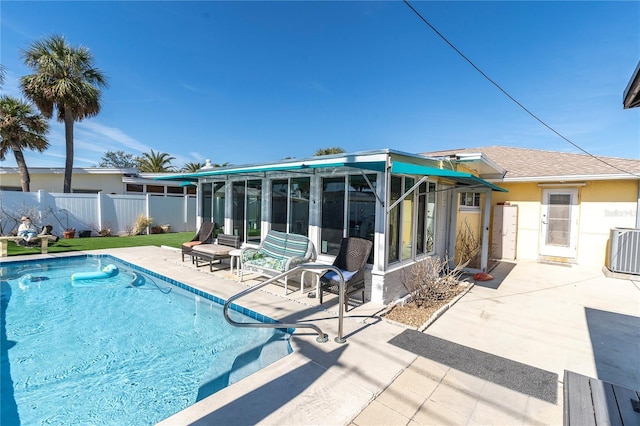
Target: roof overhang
(572, 178)
(631, 97)
(464, 179)
(379, 161)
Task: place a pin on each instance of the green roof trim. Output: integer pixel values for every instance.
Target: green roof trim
(378, 166)
(459, 177)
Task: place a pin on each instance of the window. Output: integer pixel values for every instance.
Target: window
(426, 218)
(332, 231)
(85, 191)
(175, 190)
(155, 189)
(393, 251)
(247, 209)
(290, 205)
(411, 221)
(299, 206)
(354, 193)
(213, 204)
(361, 208)
(470, 201)
(134, 187)
(279, 197)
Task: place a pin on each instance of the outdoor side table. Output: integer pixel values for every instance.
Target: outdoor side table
(236, 259)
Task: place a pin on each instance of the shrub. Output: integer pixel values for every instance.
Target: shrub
(432, 280)
(142, 223)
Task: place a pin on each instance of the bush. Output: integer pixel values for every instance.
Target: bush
(432, 280)
(142, 223)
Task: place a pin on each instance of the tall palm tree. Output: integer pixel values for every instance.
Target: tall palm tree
(66, 80)
(329, 151)
(21, 127)
(192, 167)
(155, 162)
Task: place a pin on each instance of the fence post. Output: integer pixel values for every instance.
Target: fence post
(147, 209)
(99, 200)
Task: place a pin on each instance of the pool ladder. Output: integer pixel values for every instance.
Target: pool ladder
(322, 337)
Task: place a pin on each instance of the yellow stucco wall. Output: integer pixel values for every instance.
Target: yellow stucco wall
(469, 224)
(602, 205)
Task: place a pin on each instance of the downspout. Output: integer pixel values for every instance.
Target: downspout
(486, 216)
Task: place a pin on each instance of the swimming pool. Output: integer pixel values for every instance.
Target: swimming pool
(131, 349)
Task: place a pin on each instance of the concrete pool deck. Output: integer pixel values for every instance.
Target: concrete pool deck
(528, 325)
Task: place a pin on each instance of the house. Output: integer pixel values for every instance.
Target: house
(402, 202)
(92, 180)
(567, 204)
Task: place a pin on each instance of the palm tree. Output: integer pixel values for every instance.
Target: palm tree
(66, 80)
(155, 162)
(329, 151)
(21, 127)
(192, 167)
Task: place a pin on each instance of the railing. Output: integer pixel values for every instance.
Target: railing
(322, 337)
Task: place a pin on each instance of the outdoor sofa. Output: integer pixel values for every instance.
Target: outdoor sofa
(278, 252)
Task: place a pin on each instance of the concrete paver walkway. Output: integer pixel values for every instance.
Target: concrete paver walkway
(547, 316)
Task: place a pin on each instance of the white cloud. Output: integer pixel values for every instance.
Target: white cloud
(106, 136)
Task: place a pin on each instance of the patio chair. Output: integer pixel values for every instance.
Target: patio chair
(351, 259)
(203, 236)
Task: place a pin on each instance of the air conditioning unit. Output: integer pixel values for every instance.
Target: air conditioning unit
(624, 251)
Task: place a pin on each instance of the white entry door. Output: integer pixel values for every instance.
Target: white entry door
(559, 222)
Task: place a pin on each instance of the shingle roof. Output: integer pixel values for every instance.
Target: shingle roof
(525, 162)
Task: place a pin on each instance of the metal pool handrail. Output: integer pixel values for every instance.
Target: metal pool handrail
(322, 337)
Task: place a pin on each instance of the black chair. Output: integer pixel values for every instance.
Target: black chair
(351, 259)
(203, 236)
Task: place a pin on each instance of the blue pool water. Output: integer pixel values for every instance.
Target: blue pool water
(131, 349)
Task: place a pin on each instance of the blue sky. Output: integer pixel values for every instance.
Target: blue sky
(251, 82)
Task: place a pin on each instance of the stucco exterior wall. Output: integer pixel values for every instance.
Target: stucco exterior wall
(602, 205)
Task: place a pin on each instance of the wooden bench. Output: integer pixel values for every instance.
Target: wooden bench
(44, 242)
(592, 402)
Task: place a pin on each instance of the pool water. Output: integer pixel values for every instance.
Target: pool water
(132, 349)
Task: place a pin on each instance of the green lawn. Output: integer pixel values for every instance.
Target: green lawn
(174, 239)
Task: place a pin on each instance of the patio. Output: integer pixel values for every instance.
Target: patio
(547, 318)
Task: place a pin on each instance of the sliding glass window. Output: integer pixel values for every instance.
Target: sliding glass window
(247, 209)
(254, 210)
(332, 232)
(426, 218)
(290, 205)
(393, 251)
(411, 221)
(299, 206)
(354, 193)
(213, 204)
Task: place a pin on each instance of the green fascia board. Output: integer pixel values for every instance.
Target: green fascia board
(378, 166)
(465, 178)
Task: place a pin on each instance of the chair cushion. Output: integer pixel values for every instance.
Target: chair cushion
(332, 276)
(212, 249)
(191, 243)
(274, 245)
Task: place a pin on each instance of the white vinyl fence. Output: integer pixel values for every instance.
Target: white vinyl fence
(95, 212)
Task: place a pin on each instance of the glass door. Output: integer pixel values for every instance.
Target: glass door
(559, 222)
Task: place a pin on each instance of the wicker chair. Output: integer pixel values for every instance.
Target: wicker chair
(203, 236)
(351, 259)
